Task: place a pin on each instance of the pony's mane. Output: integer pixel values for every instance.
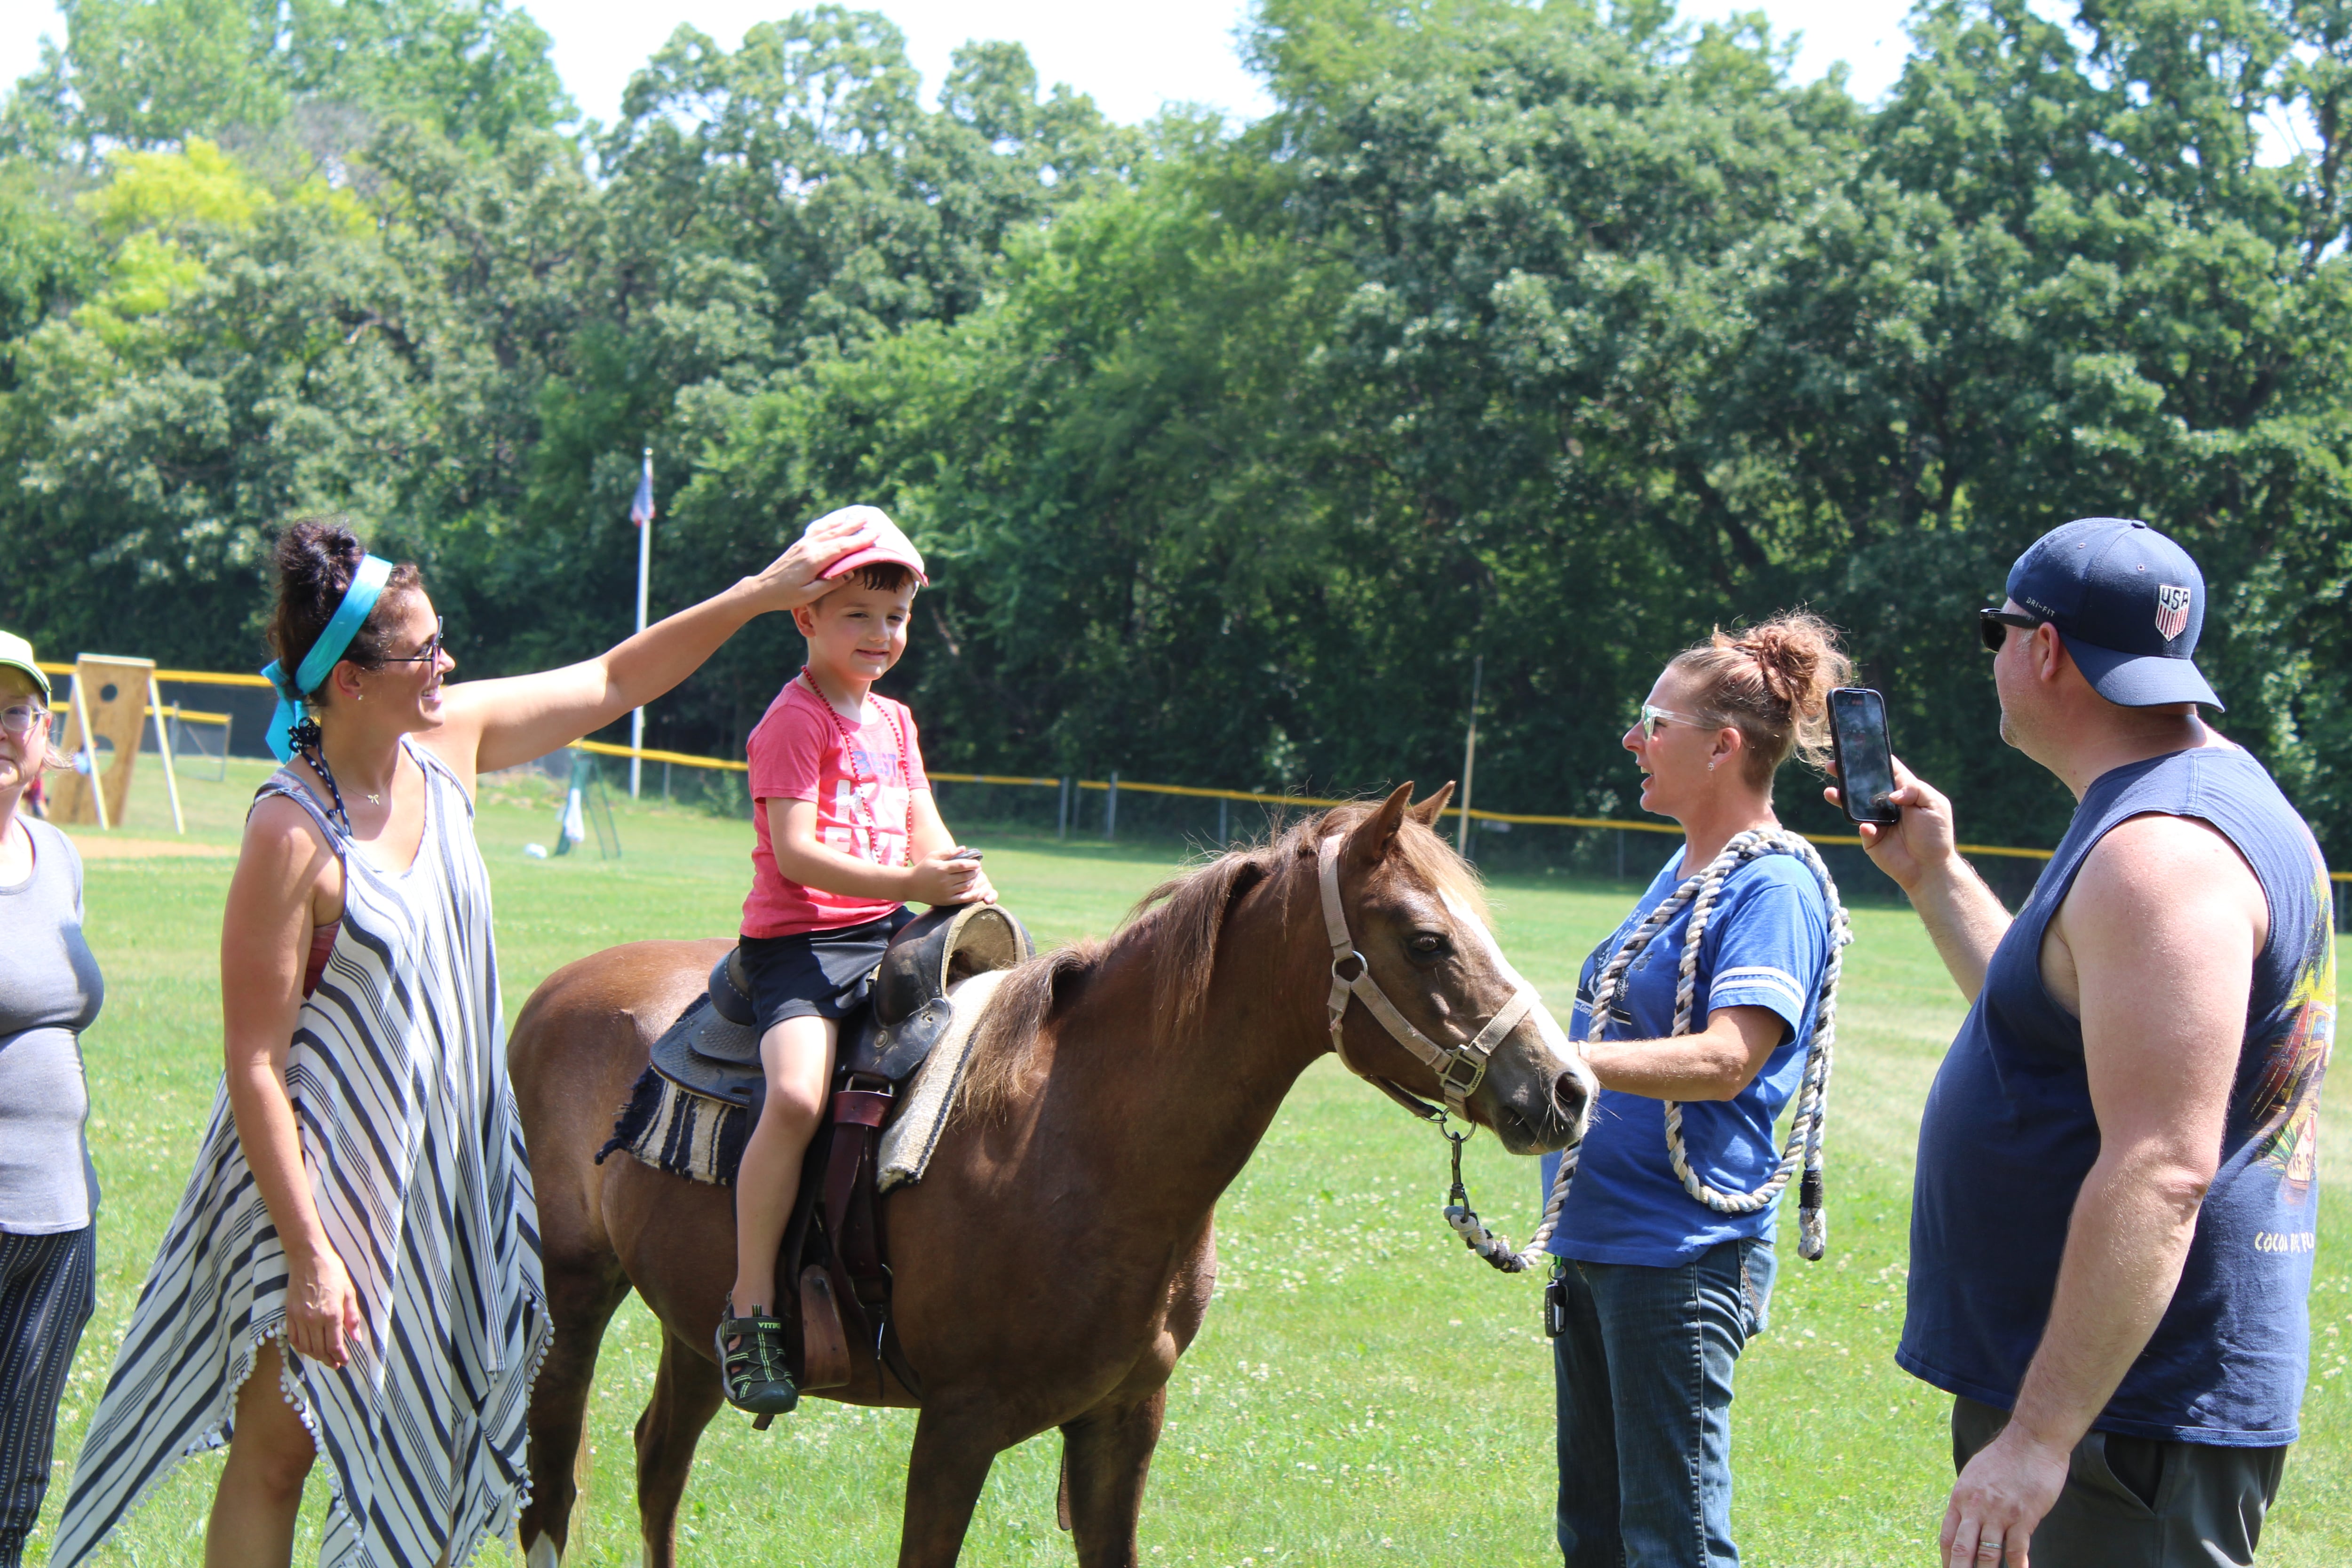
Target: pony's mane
(1175, 927)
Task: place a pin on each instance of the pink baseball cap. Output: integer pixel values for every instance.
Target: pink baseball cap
(890, 545)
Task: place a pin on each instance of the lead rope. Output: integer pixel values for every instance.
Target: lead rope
(1805, 1132)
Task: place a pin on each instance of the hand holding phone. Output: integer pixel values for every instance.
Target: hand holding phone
(1918, 845)
(1865, 764)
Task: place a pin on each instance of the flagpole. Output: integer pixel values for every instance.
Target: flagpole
(645, 573)
(1469, 757)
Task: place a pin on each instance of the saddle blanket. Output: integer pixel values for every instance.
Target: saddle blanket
(925, 1104)
(673, 1128)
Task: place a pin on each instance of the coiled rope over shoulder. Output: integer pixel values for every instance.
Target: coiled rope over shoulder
(1803, 1150)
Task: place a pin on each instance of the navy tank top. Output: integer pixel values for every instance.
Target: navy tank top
(2008, 1137)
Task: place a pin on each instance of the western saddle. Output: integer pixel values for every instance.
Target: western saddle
(834, 1246)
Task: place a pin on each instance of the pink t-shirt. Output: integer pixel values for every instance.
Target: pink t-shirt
(863, 783)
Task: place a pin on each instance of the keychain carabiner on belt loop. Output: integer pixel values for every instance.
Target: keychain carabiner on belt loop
(1555, 1299)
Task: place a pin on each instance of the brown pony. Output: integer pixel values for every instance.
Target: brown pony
(1059, 1255)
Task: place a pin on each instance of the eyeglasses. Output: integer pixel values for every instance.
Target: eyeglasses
(1993, 626)
(431, 652)
(22, 716)
(1651, 715)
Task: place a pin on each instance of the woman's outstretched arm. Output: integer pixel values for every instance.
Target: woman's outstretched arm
(493, 724)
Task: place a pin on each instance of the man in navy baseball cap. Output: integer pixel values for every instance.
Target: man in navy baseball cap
(2127, 602)
(2114, 1209)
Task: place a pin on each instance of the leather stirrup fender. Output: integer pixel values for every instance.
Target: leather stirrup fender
(824, 1349)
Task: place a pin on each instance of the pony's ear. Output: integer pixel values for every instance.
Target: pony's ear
(1426, 811)
(1369, 843)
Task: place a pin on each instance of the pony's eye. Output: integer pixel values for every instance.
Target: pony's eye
(1429, 945)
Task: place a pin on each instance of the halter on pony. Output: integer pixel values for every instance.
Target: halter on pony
(1460, 1069)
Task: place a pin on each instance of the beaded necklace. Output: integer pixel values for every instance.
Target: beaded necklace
(864, 809)
(311, 748)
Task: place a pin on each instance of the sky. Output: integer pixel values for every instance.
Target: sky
(1131, 59)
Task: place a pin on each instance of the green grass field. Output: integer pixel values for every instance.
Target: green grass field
(1365, 1391)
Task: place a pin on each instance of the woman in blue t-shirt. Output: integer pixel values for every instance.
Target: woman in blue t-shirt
(1663, 1291)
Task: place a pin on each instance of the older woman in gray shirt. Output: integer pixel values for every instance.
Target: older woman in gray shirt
(49, 993)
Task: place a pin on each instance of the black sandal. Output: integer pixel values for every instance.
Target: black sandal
(751, 1371)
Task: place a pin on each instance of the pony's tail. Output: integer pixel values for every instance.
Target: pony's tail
(1022, 1002)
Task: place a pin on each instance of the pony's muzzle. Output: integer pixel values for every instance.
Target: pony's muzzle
(1571, 1101)
(1542, 1092)
(1572, 1089)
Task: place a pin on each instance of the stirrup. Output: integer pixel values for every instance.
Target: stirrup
(752, 1372)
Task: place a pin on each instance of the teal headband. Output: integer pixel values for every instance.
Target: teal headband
(359, 602)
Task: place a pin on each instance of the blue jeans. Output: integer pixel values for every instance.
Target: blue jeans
(1644, 1367)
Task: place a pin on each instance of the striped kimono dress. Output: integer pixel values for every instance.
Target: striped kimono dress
(398, 1078)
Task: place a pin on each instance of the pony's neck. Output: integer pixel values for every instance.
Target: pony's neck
(1189, 1107)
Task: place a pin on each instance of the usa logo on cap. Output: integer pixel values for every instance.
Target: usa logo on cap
(2171, 610)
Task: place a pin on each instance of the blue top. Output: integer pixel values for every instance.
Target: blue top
(1766, 944)
(2008, 1136)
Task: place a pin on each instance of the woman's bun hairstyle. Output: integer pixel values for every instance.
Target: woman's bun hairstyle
(1772, 682)
(315, 560)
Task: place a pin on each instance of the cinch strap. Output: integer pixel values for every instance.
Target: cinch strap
(359, 602)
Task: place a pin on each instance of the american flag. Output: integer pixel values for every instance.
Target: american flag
(641, 510)
(2172, 600)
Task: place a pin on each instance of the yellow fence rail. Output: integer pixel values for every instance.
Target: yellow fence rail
(191, 677)
(1198, 792)
(1259, 797)
(606, 749)
(173, 709)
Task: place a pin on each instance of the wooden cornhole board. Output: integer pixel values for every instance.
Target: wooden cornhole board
(111, 696)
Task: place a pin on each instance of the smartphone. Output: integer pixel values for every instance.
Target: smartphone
(1866, 764)
(963, 852)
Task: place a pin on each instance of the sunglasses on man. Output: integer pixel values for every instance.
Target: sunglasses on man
(1993, 626)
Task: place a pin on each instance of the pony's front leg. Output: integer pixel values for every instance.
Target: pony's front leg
(953, 1450)
(1107, 1455)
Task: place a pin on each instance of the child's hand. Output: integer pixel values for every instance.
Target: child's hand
(941, 880)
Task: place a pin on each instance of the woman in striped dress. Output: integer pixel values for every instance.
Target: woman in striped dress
(353, 1271)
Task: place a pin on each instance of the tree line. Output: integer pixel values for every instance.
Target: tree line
(1543, 335)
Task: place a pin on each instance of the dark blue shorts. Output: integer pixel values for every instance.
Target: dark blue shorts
(817, 973)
